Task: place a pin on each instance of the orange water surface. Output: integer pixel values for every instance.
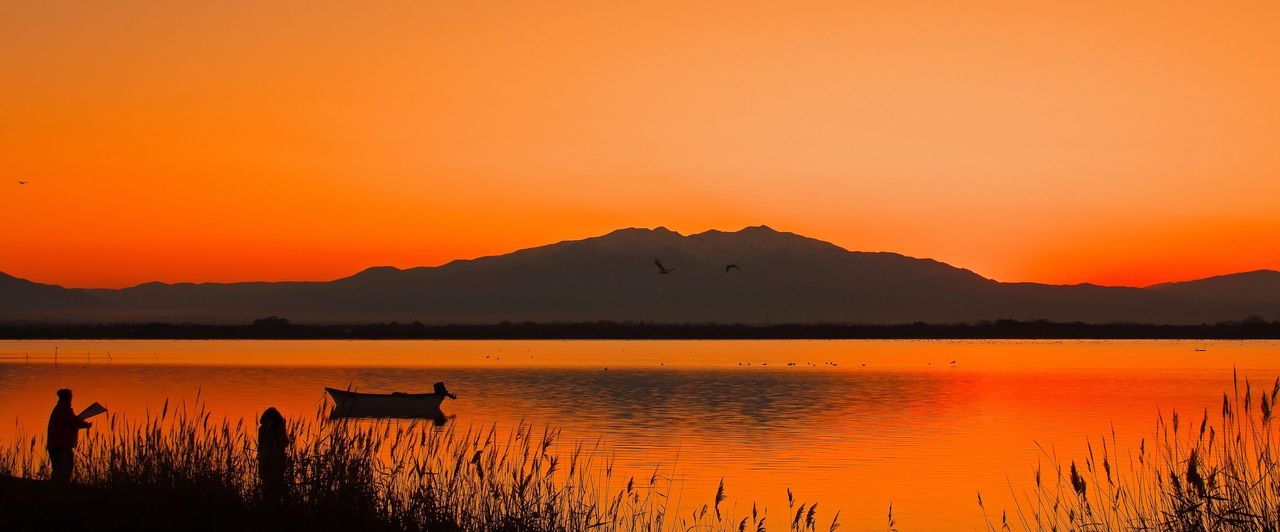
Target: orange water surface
(853, 425)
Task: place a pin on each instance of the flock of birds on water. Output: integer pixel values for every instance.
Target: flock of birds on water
(789, 364)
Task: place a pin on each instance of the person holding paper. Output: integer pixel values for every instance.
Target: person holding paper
(64, 431)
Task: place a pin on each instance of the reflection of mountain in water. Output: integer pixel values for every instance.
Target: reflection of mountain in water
(781, 277)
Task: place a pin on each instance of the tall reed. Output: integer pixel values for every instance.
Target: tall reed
(397, 475)
(1220, 472)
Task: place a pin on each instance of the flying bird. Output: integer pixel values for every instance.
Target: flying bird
(22, 182)
(731, 267)
(661, 268)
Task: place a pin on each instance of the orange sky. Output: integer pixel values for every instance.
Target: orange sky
(1109, 142)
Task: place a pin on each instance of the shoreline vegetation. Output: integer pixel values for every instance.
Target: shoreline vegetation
(183, 470)
(276, 328)
(1216, 471)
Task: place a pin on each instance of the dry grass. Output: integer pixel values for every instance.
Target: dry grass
(1220, 472)
(393, 475)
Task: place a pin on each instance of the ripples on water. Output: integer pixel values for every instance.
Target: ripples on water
(907, 428)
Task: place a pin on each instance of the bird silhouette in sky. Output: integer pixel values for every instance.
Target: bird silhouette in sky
(731, 267)
(22, 182)
(661, 268)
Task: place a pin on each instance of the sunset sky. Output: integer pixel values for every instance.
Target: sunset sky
(1107, 142)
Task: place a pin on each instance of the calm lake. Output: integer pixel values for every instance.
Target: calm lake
(853, 425)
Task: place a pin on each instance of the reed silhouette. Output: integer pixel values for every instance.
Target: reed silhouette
(1218, 472)
(184, 470)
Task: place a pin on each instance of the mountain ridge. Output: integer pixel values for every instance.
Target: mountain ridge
(781, 276)
(1257, 285)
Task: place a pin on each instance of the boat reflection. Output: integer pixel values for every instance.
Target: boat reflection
(437, 417)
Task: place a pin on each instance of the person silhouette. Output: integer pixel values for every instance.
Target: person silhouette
(64, 432)
(273, 441)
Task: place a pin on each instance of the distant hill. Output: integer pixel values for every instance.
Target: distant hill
(1261, 286)
(22, 297)
(781, 277)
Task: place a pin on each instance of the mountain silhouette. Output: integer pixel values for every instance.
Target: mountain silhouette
(783, 277)
(20, 297)
(1261, 286)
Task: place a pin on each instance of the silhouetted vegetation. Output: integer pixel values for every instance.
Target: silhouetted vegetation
(274, 327)
(1211, 473)
(183, 471)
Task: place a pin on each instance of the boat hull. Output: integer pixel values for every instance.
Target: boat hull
(369, 405)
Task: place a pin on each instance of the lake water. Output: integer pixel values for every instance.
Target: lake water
(854, 425)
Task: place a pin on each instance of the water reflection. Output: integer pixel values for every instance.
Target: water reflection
(909, 429)
(437, 416)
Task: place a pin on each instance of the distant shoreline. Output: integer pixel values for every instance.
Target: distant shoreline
(281, 329)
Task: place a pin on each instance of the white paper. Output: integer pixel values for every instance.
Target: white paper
(93, 410)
